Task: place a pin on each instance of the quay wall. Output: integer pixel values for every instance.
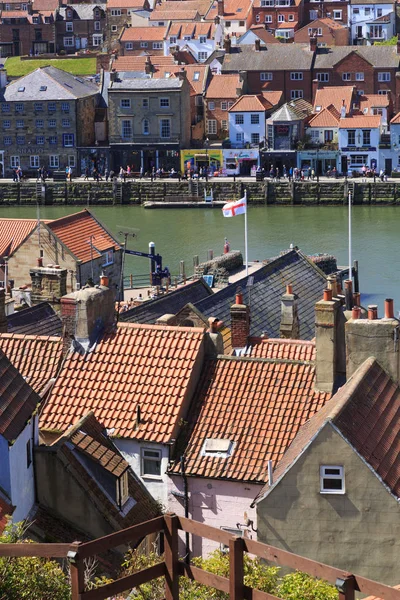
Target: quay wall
(86, 193)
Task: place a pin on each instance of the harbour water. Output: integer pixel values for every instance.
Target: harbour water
(179, 234)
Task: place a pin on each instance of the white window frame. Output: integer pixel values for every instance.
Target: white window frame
(114, 28)
(97, 26)
(337, 477)
(157, 45)
(203, 55)
(383, 92)
(68, 42)
(224, 105)
(254, 118)
(224, 125)
(253, 135)
(337, 15)
(202, 39)
(14, 162)
(69, 26)
(296, 76)
(125, 103)
(268, 19)
(164, 102)
(211, 105)
(54, 161)
(97, 39)
(71, 160)
(52, 123)
(239, 119)
(115, 12)
(323, 77)
(346, 76)
(233, 531)
(146, 127)
(384, 76)
(129, 46)
(290, 17)
(359, 76)
(34, 161)
(266, 76)
(212, 126)
(294, 94)
(108, 256)
(126, 135)
(144, 458)
(165, 137)
(281, 18)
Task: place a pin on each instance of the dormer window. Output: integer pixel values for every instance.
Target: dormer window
(187, 38)
(69, 14)
(122, 489)
(203, 39)
(172, 39)
(217, 447)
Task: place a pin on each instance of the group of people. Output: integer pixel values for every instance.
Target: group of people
(366, 172)
(17, 174)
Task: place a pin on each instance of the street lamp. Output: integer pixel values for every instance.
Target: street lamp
(317, 165)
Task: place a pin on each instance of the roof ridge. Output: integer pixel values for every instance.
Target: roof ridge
(281, 361)
(142, 326)
(28, 336)
(345, 393)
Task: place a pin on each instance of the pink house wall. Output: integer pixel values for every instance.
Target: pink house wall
(214, 502)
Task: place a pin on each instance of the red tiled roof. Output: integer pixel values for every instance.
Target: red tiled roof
(145, 366)
(373, 101)
(75, 231)
(396, 587)
(250, 103)
(137, 63)
(264, 35)
(287, 25)
(45, 4)
(108, 458)
(17, 400)
(197, 85)
(13, 232)
(366, 412)
(334, 95)
(14, 14)
(258, 404)
(176, 15)
(327, 117)
(37, 358)
(396, 119)
(233, 9)
(137, 34)
(6, 509)
(192, 28)
(181, 7)
(223, 86)
(134, 4)
(273, 97)
(360, 122)
(282, 349)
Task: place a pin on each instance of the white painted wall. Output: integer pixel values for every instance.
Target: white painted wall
(22, 477)
(130, 449)
(216, 503)
(247, 128)
(358, 148)
(362, 19)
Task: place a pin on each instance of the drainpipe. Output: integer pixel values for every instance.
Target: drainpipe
(186, 507)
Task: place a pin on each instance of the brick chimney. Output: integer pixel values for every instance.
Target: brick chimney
(329, 342)
(289, 315)
(315, 86)
(313, 43)
(182, 75)
(257, 44)
(221, 8)
(227, 44)
(3, 318)
(374, 337)
(148, 66)
(240, 322)
(48, 283)
(86, 313)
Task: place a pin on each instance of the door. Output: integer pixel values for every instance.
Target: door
(388, 166)
(344, 165)
(77, 43)
(84, 42)
(359, 31)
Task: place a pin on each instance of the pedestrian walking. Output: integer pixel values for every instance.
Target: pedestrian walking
(106, 174)
(87, 173)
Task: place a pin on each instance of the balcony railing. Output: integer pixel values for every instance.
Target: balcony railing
(172, 567)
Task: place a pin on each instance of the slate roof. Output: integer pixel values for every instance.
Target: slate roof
(40, 319)
(378, 56)
(17, 400)
(276, 57)
(36, 357)
(149, 311)
(146, 84)
(75, 230)
(285, 113)
(258, 405)
(84, 12)
(269, 285)
(366, 412)
(134, 366)
(13, 232)
(59, 84)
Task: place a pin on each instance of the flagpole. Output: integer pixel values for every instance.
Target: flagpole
(350, 269)
(246, 249)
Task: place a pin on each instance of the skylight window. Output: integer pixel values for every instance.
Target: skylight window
(43, 88)
(217, 447)
(196, 76)
(21, 89)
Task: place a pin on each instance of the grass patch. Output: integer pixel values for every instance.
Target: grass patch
(78, 66)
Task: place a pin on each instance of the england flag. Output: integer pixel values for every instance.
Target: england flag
(238, 207)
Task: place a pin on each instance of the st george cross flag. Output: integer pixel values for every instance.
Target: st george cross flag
(238, 207)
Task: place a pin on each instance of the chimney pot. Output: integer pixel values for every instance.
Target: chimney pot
(240, 322)
(289, 289)
(104, 280)
(40, 262)
(356, 312)
(257, 44)
(357, 299)
(327, 295)
(389, 313)
(239, 297)
(348, 291)
(372, 312)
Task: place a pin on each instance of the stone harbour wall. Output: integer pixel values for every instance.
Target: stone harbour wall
(86, 193)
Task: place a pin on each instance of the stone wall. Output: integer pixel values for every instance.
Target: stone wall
(80, 192)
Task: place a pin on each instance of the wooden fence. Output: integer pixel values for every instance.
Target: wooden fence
(173, 567)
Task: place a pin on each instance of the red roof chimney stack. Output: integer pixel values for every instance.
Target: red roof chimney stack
(240, 322)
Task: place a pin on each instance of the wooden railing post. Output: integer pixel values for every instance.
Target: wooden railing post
(236, 571)
(346, 588)
(171, 557)
(77, 570)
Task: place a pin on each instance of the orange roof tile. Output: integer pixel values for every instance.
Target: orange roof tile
(264, 35)
(137, 63)
(282, 349)
(257, 404)
(287, 25)
(272, 97)
(196, 76)
(373, 101)
(396, 119)
(14, 14)
(137, 34)
(192, 28)
(223, 86)
(233, 9)
(75, 232)
(334, 95)
(45, 4)
(13, 232)
(325, 118)
(134, 4)
(181, 6)
(248, 103)
(360, 121)
(37, 358)
(176, 15)
(145, 366)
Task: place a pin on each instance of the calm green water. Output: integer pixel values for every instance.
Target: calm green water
(179, 234)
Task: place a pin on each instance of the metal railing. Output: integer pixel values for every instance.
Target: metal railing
(172, 567)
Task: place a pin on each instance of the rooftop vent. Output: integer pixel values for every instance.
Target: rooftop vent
(219, 447)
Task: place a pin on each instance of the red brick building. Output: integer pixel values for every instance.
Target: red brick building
(222, 92)
(275, 14)
(338, 10)
(327, 31)
(80, 26)
(27, 29)
(136, 40)
(278, 67)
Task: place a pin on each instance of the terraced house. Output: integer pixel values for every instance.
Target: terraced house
(27, 28)
(45, 116)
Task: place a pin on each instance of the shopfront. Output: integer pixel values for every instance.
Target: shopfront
(194, 159)
(144, 157)
(240, 162)
(93, 158)
(322, 161)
